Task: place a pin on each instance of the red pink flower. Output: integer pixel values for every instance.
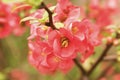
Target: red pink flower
(55, 49)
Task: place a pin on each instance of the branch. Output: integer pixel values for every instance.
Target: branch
(100, 58)
(110, 58)
(50, 15)
(80, 67)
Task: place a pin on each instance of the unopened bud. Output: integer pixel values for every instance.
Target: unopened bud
(109, 39)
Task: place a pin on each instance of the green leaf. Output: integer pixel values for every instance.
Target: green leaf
(44, 18)
(59, 25)
(19, 7)
(27, 19)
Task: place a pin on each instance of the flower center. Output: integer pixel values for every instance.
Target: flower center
(56, 59)
(64, 42)
(74, 30)
(43, 54)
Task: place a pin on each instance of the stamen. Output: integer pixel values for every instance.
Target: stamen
(74, 30)
(64, 42)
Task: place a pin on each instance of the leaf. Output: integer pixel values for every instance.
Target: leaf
(52, 8)
(44, 17)
(21, 6)
(59, 25)
(27, 18)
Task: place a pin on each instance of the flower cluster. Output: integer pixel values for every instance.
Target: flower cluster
(55, 46)
(101, 12)
(9, 21)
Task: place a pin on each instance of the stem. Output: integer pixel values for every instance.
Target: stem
(100, 58)
(84, 77)
(110, 58)
(50, 15)
(80, 67)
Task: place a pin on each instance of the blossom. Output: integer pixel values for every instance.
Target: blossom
(55, 49)
(42, 57)
(86, 34)
(18, 74)
(17, 28)
(95, 9)
(66, 12)
(95, 14)
(108, 9)
(9, 21)
(63, 43)
(5, 25)
(39, 55)
(20, 10)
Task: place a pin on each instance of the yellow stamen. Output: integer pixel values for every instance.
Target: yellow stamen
(43, 54)
(74, 30)
(64, 42)
(56, 59)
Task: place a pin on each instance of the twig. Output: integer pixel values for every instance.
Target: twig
(110, 58)
(50, 15)
(100, 58)
(80, 67)
(84, 77)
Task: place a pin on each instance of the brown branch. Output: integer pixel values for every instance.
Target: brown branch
(100, 58)
(80, 67)
(84, 77)
(110, 58)
(50, 15)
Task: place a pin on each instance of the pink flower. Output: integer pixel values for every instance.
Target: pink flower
(37, 28)
(20, 8)
(5, 27)
(18, 74)
(61, 64)
(85, 30)
(63, 43)
(9, 21)
(55, 49)
(17, 28)
(66, 12)
(108, 9)
(86, 34)
(41, 56)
